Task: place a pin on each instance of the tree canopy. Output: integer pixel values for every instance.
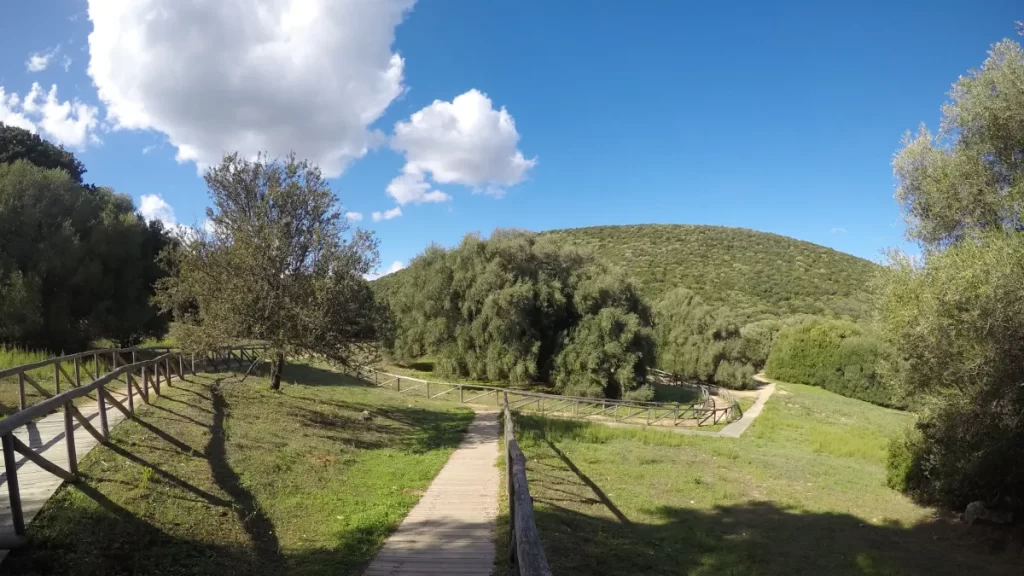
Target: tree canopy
(20, 144)
(278, 264)
(517, 309)
(77, 263)
(955, 320)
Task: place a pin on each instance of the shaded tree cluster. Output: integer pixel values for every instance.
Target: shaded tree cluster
(77, 263)
(956, 320)
(517, 309)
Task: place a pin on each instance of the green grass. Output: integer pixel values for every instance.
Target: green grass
(801, 492)
(11, 357)
(221, 476)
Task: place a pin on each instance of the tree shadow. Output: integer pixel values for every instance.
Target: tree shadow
(585, 533)
(412, 430)
(309, 375)
(247, 509)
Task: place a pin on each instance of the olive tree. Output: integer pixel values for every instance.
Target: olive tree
(276, 262)
(954, 318)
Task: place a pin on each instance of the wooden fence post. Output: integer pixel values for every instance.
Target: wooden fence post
(78, 371)
(428, 389)
(131, 393)
(101, 404)
(69, 437)
(398, 384)
(12, 484)
(21, 390)
(56, 376)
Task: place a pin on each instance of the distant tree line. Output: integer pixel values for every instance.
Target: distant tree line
(77, 262)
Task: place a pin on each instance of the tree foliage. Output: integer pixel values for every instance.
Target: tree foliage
(956, 321)
(516, 309)
(20, 144)
(278, 266)
(837, 355)
(76, 262)
(697, 341)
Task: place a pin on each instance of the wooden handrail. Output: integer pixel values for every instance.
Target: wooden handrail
(65, 400)
(525, 549)
(703, 410)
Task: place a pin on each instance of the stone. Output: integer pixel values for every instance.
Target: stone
(366, 416)
(976, 512)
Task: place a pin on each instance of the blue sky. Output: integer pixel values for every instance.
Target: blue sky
(780, 117)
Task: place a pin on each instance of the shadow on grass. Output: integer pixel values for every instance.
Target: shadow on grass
(253, 519)
(585, 533)
(412, 430)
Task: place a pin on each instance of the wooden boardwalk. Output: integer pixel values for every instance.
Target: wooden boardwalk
(46, 438)
(451, 529)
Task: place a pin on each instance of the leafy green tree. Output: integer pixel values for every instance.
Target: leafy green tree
(515, 309)
(956, 319)
(20, 144)
(76, 263)
(279, 266)
(699, 342)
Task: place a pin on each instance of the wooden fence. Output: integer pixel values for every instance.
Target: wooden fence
(708, 409)
(525, 550)
(140, 376)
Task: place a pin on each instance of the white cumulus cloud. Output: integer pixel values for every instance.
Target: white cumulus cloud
(308, 76)
(153, 207)
(70, 123)
(354, 216)
(387, 214)
(465, 141)
(395, 267)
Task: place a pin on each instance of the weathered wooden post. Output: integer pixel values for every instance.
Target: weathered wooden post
(101, 402)
(167, 369)
(56, 376)
(78, 371)
(69, 437)
(428, 389)
(12, 484)
(461, 395)
(131, 393)
(21, 390)
(398, 384)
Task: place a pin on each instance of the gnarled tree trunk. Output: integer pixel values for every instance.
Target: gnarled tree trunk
(276, 367)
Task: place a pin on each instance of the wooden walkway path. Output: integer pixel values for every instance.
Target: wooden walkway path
(451, 529)
(46, 438)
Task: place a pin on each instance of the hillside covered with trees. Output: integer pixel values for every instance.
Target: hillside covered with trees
(754, 274)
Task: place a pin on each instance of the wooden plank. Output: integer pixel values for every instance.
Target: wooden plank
(450, 530)
(43, 463)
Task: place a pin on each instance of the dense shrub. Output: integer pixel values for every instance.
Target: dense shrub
(519, 310)
(957, 325)
(837, 355)
(699, 342)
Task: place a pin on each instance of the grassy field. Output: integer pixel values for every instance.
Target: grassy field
(226, 477)
(10, 357)
(802, 492)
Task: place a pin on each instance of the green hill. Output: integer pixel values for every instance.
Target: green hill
(755, 274)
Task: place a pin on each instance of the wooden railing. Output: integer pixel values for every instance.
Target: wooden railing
(525, 551)
(706, 410)
(139, 377)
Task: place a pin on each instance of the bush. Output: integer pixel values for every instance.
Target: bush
(903, 466)
(837, 355)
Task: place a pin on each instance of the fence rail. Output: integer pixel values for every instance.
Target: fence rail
(713, 405)
(525, 550)
(139, 376)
